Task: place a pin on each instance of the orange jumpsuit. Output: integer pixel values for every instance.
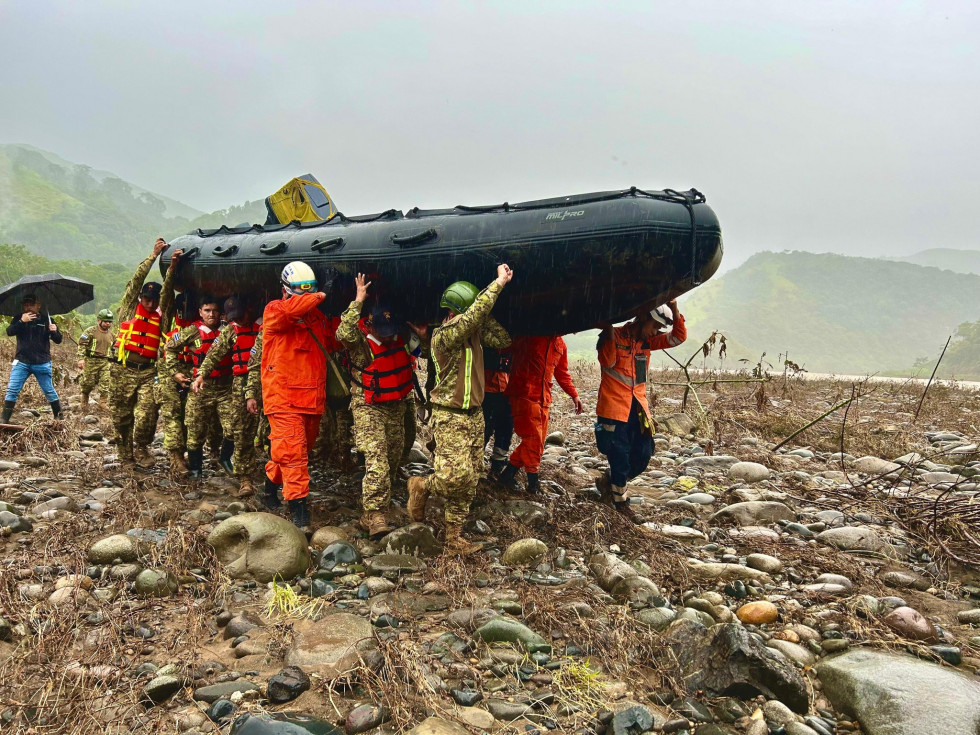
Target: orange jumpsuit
(294, 378)
(535, 363)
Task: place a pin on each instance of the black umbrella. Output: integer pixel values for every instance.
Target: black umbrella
(58, 294)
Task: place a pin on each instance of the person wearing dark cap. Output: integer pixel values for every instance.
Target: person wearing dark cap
(174, 390)
(210, 387)
(35, 333)
(381, 381)
(235, 340)
(135, 351)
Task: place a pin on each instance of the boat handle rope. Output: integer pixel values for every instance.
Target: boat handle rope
(407, 241)
(320, 246)
(688, 203)
(221, 251)
(272, 248)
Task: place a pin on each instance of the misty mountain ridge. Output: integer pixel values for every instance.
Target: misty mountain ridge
(950, 259)
(60, 209)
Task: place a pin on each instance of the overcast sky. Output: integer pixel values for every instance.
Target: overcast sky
(842, 126)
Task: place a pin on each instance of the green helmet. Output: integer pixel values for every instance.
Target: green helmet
(105, 315)
(459, 296)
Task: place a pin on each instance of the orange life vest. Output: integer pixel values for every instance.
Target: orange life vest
(185, 355)
(208, 336)
(496, 370)
(139, 335)
(389, 375)
(241, 350)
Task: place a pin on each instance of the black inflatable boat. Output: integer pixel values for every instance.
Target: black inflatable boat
(578, 260)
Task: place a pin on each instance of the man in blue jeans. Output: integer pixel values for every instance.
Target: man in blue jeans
(34, 334)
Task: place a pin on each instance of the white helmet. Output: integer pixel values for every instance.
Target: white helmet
(663, 316)
(298, 278)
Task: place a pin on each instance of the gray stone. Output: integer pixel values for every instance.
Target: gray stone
(657, 618)
(364, 717)
(705, 462)
(894, 694)
(506, 711)
(748, 472)
(510, 631)
(753, 513)
(700, 498)
(721, 572)
(162, 688)
(62, 503)
(526, 552)
(677, 424)
(798, 728)
(414, 539)
(438, 726)
(857, 538)
(875, 466)
(155, 583)
(393, 565)
(16, 523)
(223, 690)
(469, 619)
(107, 550)
(326, 535)
(527, 512)
(6, 465)
(764, 563)
(969, 617)
(794, 652)
(260, 546)
(555, 438)
(726, 661)
(331, 645)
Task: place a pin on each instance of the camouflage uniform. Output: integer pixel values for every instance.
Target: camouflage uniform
(457, 417)
(379, 428)
(95, 347)
(244, 424)
(127, 381)
(175, 399)
(253, 389)
(214, 398)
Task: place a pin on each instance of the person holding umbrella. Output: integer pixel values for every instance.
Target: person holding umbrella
(34, 334)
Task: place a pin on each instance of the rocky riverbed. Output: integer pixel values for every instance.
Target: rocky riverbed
(800, 591)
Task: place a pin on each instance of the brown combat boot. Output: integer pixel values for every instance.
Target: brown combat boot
(178, 464)
(418, 496)
(84, 399)
(456, 545)
(245, 487)
(142, 456)
(375, 523)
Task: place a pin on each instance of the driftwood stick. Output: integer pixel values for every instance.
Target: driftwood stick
(819, 418)
(922, 400)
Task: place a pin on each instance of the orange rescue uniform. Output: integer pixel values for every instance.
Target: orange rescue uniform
(536, 362)
(294, 378)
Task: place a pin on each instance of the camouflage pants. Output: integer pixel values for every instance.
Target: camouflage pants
(411, 428)
(379, 430)
(146, 414)
(458, 461)
(175, 433)
(126, 383)
(199, 412)
(246, 425)
(95, 373)
(335, 440)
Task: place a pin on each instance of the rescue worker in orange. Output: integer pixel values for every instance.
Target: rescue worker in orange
(136, 349)
(294, 378)
(624, 427)
(535, 363)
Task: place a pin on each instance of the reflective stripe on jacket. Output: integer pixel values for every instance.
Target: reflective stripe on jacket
(139, 335)
(618, 358)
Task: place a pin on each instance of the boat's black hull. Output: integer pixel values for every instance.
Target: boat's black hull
(578, 261)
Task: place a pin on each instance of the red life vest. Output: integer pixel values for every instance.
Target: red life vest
(208, 336)
(389, 376)
(186, 355)
(241, 350)
(140, 335)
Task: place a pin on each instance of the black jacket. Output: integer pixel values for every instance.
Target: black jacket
(33, 340)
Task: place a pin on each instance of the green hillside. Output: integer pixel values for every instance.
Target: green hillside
(962, 359)
(834, 313)
(63, 210)
(958, 261)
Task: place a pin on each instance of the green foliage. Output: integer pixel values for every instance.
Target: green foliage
(64, 210)
(834, 313)
(962, 359)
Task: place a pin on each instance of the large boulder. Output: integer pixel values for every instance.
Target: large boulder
(894, 694)
(118, 547)
(332, 645)
(857, 538)
(260, 546)
(748, 472)
(726, 661)
(415, 538)
(754, 513)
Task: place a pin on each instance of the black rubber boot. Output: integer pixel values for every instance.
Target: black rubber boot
(224, 458)
(496, 467)
(533, 483)
(56, 409)
(195, 463)
(270, 495)
(300, 510)
(8, 411)
(508, 478)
